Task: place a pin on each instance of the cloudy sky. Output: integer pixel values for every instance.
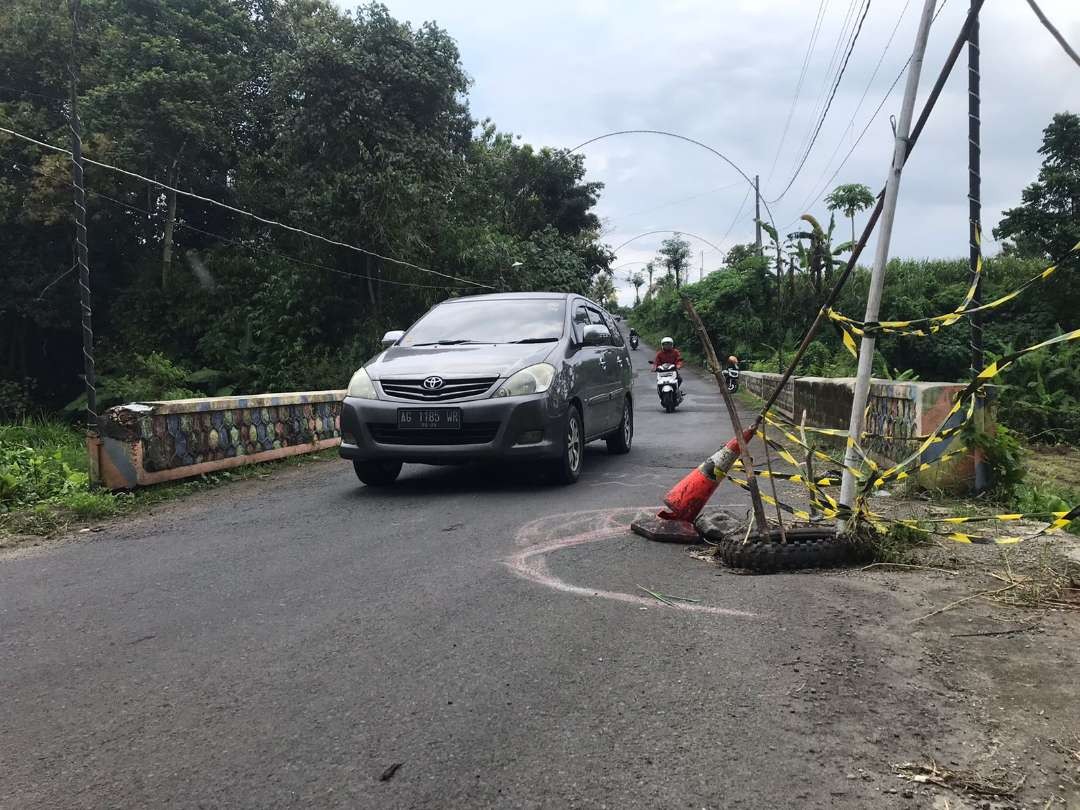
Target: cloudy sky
(725, 72)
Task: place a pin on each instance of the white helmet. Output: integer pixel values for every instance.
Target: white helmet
(667, 342)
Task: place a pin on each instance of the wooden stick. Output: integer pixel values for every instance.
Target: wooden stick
(951, 605)
(744, 452)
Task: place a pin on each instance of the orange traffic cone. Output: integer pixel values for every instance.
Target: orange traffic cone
(688, 497)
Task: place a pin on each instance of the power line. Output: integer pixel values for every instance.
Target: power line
(828, 105)
(249, 214)
(241, 244)
(822, 4)
(1053, 31)
(682, 200)
(842, 38)
(677, 136)
(268, 252)
(865, 129)
(738, 213)
(667, 230)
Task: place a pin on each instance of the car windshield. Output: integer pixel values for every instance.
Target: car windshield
(532, 320)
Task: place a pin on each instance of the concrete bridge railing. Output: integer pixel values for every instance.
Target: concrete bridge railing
(150, 442)
(899, 416)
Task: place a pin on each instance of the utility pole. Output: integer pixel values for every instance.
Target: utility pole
(701, 269)
(975, 229)
(881, 256)
(757, 213)
(81, 252)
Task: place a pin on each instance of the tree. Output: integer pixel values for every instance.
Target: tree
(352, 124)
(1047, 223)
(603, 291)
(650, 268)
(675, 255)
(738, 253)
(638, 281)
(850, 199)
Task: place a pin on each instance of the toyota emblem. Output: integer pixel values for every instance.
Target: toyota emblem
(433, 383)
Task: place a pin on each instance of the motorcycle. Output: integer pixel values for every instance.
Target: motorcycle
(731, 378)
(667, 386)
(634, 340)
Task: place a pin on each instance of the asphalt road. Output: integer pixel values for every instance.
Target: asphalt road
(286, 641)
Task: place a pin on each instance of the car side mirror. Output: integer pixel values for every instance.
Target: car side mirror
(596, 335)
(392, 337)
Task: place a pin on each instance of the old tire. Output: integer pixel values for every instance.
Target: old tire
(806, 547)
(377, 473)
(567, 470)
(619, 442)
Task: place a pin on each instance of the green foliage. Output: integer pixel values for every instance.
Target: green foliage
(37, 464)
(850, 199)
(675, 254)
(1041, 498)
(1041, 395)
(1004, 457)
(352, 124)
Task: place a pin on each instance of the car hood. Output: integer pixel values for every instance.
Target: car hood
(483, 360)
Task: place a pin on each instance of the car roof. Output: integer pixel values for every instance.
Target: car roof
(514, 296)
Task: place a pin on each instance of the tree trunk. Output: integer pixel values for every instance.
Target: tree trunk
(170, 219)
(167, 251)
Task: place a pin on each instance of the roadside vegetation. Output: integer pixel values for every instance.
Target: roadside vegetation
(44, 482)
(758, 307)
(351, 124)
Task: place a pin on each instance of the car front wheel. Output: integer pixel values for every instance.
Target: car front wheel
(619, 442)
(567, 469)
(377, 473)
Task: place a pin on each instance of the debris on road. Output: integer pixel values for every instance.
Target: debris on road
(931, 773)
(388, 774)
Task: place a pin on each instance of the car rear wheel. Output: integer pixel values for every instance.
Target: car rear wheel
(619, 442)
(377, 473)
(567, 469)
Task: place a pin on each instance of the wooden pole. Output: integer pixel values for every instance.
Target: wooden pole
(729, 403)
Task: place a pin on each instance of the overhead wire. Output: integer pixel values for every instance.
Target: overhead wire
(268, 252)
(810, 45)
(241, 244)
(1049, 26)
(667, 230)
(678, 200)
(249, 214)
(828, 106)
(828, 76)
(865, 129)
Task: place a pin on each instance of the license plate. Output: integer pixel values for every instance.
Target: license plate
(429, 418)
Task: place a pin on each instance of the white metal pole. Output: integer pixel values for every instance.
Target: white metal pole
(881, 255)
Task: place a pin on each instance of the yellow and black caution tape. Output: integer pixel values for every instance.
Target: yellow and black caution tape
(801, 514)
(922, 327)
(967, 396)
(1060, 521)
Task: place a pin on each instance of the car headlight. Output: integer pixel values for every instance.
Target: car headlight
(361, 386)
(532, 380)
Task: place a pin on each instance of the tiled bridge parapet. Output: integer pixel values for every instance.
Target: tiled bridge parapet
(899, 414)
(149, 442)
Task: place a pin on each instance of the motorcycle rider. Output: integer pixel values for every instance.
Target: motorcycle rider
(669, 354)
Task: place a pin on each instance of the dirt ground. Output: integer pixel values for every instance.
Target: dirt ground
(949, 662)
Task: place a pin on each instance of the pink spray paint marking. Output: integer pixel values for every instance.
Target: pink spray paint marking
(545, 536)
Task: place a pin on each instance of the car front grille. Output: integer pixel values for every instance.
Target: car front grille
(470, 433)
(452, 389)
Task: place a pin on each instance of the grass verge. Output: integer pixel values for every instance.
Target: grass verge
(44, 482)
